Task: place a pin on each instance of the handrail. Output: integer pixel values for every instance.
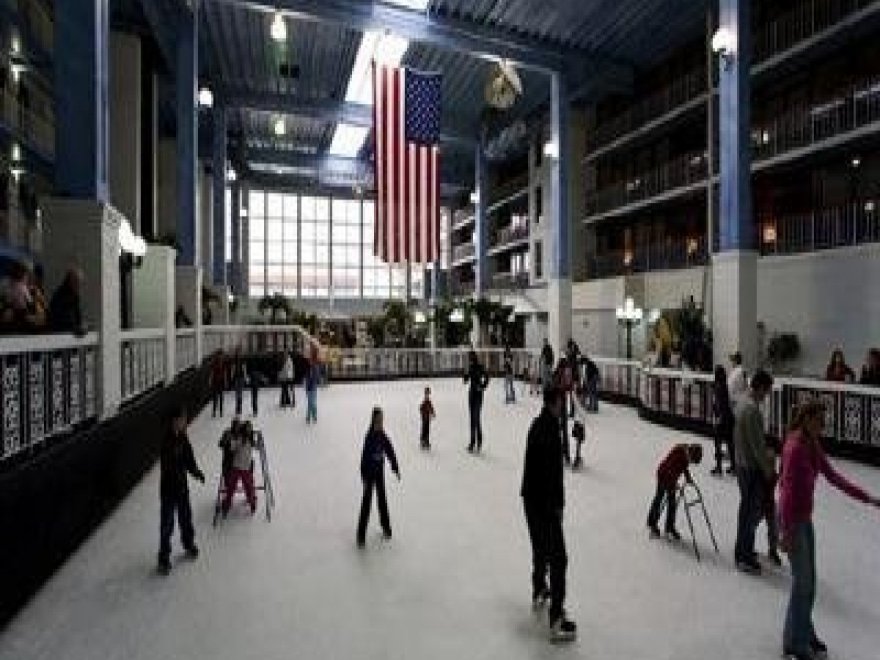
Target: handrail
(44, 343)
(141, 334)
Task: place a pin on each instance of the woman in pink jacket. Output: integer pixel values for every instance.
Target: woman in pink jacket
(802, 462)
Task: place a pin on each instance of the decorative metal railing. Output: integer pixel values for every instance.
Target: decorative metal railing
(394, 363)
(848, 224)
(185, 350)
(142, 361)
(510, 234)
(463, 251)
(253, 339)
(666, 256)
(510, 280)
(49, 385)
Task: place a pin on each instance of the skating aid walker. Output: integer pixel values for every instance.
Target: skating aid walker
(690, 495)
(265, 486)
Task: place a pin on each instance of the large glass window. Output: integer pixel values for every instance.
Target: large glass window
(314, 247)
(257, 275)
(377, 275)
(346, 255)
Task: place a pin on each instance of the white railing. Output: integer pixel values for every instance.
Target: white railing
(363, 363)
(184, 349)
(48, 386)
(142, 361)
(254, 339)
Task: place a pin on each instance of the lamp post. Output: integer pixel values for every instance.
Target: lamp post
(629, 316)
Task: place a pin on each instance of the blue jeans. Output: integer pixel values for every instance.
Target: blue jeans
(509, 394)
(752, 486)
(592, 395)
(311, 406)
(798, 631)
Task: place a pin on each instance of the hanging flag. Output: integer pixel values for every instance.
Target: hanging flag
(406, 123)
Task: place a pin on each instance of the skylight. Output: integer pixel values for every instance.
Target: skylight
(383, 48)
(348, 140)
(417, 5)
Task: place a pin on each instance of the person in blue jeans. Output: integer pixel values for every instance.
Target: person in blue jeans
(509, 394)
(313, 379)
(377, 447)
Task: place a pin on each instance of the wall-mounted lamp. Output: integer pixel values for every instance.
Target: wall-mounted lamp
(206, 97)
(551, 150)
(243, 213)
(724, 43)
(280, 127)
(457, 315)
(231, 175)
(475, 198)
(129, 242)
(278, 29)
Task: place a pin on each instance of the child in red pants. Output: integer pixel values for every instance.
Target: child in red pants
(241, 446)
(669, 471)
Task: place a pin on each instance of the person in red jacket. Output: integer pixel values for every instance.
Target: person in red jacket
(669, 471)
(802, 462)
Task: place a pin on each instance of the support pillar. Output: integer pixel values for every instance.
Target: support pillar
(236, 240)
(481, 235)
(206, 224)
(154, 298)
(218, 174)
(125, 127)
(187, 140)
(188, 294)
(81, 93)
(84, 234)
(734, 268)
(244, 223)
(559, 279)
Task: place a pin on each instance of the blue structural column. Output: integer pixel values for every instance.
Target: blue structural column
(734, 268)
(235, 257)
(218, 173)
(187, 138)
(81, 98)
(559, 275)
(481, 189)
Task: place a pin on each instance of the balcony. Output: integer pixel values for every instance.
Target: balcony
(680, 175)
(672, 255)
(510, 280)
(464, 252)
(828, 124)
(655, 107)
(838, 226)
(463, 288)
(800, 23)
(510, 237)
(27, 125)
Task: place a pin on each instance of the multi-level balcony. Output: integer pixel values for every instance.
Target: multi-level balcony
(670, 255)
(510, 238)
(519, 280)
(854, 223)
(26, 124)
(678, 176)
(463, 253)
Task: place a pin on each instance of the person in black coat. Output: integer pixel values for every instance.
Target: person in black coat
(543, 500)
(65, 309)
(376, 447)
(723, 422)
(239, 379)
(175, 462)
(478, 379)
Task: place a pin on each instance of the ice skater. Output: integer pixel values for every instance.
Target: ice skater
(562, 379)
(426, 411)
(376, 447)
(543, 500)
(723, 423)
(478, 380)
(239, 380)
(176, 460)
(312, 380)
(285, 379)
(802, 462)
(255, 380)
(241, 467)
(670, 470)
(509, 393)
(218, 376)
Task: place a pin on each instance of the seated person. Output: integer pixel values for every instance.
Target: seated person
(241, 446)
(670, 469)
(871, 370)
(838, 370)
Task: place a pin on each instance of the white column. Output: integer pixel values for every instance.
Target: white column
(125, 126)
(206, 225)
(188, 294)
(153, 298)
(84, 234)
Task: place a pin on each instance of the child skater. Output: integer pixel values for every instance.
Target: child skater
(241, 450)
(376, 447)
(668, 472)
(427, 412)
(175, 461)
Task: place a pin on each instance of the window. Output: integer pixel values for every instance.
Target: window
(377, 275)
(256, 267)
(314, 247)
(346, 256)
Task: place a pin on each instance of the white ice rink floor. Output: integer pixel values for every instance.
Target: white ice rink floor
(454, 581)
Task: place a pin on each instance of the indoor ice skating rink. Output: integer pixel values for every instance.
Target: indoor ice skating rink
(454, 581)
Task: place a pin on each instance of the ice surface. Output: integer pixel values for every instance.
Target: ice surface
(454, 581)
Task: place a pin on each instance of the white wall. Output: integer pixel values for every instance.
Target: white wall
(828, 299)
(125, 126)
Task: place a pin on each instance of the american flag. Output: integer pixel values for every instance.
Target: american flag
(406, 122)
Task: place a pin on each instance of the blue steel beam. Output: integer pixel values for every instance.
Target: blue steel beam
(297, 183)
(480, 40)
(162, 26)
(218, 174)
(332, 168)
(186, 81)
(453, 133)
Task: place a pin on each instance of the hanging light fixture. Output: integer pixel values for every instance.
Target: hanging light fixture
(280, 127)
(231, 175)
(278, 29)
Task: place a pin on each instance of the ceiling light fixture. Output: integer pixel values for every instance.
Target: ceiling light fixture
(231, 175)
(278, 29)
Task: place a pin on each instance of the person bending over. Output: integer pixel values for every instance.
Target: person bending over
(670, 470)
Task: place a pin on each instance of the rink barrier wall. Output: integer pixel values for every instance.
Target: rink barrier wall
(52, 501)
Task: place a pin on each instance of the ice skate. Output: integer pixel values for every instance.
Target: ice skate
(540, 599)
(562, 629)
